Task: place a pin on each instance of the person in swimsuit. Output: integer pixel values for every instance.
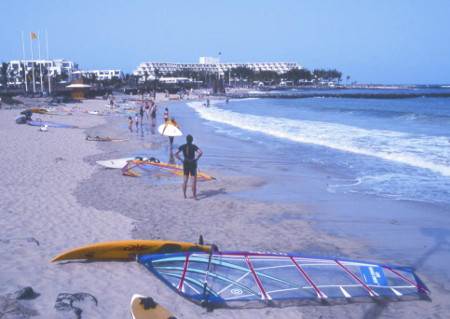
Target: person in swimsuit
(166, 115)
(141, 113)
(191, 154)
(136, 121)
(130, 123)
(147, 109)
(153, 114)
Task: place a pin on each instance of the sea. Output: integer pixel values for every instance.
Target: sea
(398, 148)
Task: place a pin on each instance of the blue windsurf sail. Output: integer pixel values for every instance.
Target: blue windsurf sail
(39, 122)
(226, 277)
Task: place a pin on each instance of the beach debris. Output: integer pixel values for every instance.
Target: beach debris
(64, 302)
(27, 239)
(12, 308)
(44, 128)
(25, 293)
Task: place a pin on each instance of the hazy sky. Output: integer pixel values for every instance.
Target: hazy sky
(372, 41)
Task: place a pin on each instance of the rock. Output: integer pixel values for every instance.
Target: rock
(64, 302)
(25, 293)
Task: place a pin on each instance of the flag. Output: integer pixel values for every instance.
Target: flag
(33, 36)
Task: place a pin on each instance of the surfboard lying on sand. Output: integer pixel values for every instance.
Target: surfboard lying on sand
(121, 162)
(146, 308)
(105, 139)
(39, 110)
(51, 111)
(127, 249)
(169, 130)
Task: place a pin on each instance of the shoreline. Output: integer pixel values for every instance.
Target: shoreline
(65, 200)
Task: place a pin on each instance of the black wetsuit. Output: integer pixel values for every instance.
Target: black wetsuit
(189, 163)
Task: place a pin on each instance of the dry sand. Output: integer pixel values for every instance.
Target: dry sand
(55, 198)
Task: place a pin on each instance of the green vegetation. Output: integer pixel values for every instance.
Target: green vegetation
(236, 77)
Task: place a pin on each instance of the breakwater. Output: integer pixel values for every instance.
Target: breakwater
(268, 95)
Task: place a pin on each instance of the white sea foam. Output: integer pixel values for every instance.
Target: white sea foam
(418, 150)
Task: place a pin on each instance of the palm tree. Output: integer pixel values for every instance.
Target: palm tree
(4, 74)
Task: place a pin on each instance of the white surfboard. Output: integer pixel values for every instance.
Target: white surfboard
(115, 163)
(121, 162)
(169, 130)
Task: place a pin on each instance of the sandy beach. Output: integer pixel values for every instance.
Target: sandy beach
(55, 198)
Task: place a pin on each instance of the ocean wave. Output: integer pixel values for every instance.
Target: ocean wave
(418, 150)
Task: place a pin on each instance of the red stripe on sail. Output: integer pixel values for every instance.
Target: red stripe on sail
(256, 278)
(180, 286)
(321, 295)
(372, 293)
(406, 279)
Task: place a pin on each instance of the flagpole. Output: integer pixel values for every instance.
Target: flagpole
(32, 62)
(49, 78)
(40, 62)
(24, 72)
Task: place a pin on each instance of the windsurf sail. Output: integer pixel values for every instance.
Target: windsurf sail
(136, 168)
(227, 277)
(105, 139)
(39, 122)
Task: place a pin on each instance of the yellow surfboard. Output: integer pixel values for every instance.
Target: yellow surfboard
(40, 110)
(146, 308)
(127, 249)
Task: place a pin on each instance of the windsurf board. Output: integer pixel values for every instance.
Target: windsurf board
(119, 163)
(146, 308)
(127, 249)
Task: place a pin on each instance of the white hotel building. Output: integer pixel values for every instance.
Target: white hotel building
(58, 67)
(211, 65)
(54, 66)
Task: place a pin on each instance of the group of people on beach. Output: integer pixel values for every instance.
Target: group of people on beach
(191, 152)
(150, 111)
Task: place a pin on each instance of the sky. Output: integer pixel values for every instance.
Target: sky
(371, 41)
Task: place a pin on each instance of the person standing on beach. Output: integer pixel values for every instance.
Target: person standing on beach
(130, 123)
(172, 122)
(141, 113)
(189, 163)
(136, 121)
(147, 110)
(153, 113)
(166, 115)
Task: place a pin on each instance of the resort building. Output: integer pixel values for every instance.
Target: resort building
(54, 67)
(101, 75)
(209, 65)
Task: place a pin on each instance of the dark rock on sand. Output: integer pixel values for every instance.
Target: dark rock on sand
(64, 302)
(11, 308)
(25, 293)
